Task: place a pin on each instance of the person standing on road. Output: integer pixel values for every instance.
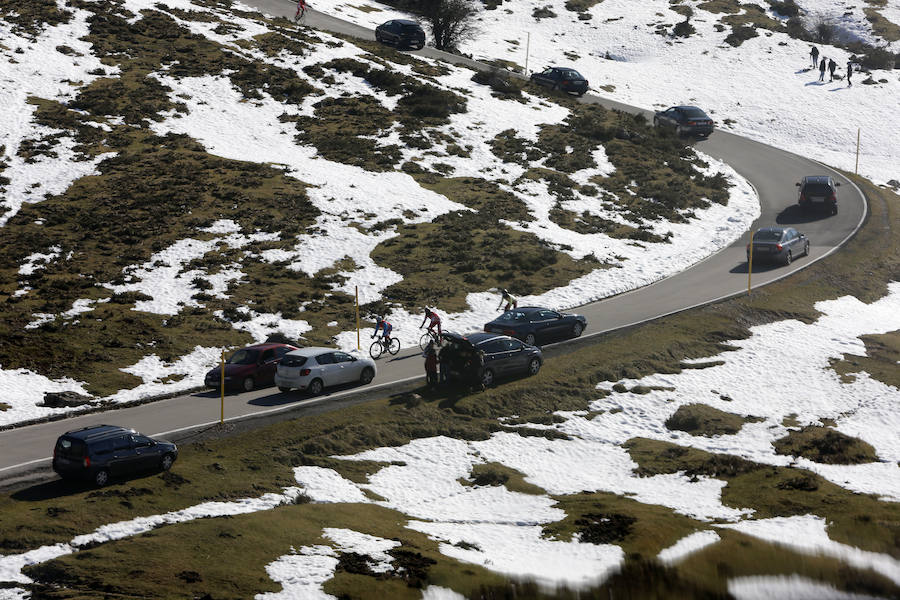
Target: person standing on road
(815, 56)
(431, 365)
(849, 73)
(822, 69)
(831, 67)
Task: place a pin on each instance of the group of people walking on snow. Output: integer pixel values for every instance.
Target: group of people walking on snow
(828, 63)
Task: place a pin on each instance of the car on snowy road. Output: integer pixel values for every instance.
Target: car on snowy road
(818, 192)
(778, 244)
(249, 368)
(533, 324)
(503, 356)
(401, 33)
(685, 120)
(561, 78)
(316, 368)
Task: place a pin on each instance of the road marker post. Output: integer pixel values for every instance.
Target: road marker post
(527, 51)
(222, 388)
(856, 170)
(750, 263)
(358, 345)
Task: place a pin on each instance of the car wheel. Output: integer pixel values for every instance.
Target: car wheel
(834, 209)
(679, 130)
(529, 339)
(577, 328)
(166, 462)
(101, 477)
(284, 390)
(367, 376)
(378, 38)
(580, 94)
(534, 365)
(789, 258)
(248, 384)
(806, 249)
(487, 378)
(315, 388)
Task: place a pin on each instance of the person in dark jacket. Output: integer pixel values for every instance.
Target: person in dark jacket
(815, 56)
(431, 365)
(822, 66)
(475, 370)
(849, 73)
(831, 67)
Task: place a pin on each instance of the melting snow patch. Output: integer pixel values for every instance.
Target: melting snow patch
(688, 545)
(794, 587)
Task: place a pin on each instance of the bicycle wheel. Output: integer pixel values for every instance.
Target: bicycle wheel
(425, 340)
(375, 350)
(395, 346)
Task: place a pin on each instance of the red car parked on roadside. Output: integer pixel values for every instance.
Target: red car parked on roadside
(249, 368)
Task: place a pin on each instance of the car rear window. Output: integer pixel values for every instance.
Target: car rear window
(571, 74)
(816, 189)
(70, 448)
(767, 235)
(694, 113)
(244, 357)
(410, 28)
(293, 361)
(512, 315)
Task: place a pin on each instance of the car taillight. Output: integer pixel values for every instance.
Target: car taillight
(692, 122)
(509, 332)
(778, 247)
(802, 197)
(87, 462)
(305, 372)
(833, 197)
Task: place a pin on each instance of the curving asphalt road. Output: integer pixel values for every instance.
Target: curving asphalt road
(772, 171)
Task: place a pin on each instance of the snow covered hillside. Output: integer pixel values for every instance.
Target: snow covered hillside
(180, 177)
(763, 88)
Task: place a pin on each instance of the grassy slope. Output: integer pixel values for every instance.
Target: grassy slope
(259, 461)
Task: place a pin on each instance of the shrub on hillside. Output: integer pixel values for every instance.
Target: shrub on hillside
(499, 81)
(788, 8)
(741, 34)
(684, 29)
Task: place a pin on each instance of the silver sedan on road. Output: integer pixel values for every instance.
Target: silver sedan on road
(313, 369)
(778, 244)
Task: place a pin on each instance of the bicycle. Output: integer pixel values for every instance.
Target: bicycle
(379, 347)
(429, 337)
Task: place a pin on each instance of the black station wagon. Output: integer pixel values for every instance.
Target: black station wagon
(100, 452)
(401, 33)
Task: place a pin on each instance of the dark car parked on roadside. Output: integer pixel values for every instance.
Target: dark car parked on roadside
(778, 244)
(686, 120)
(401, 33)
(503, 356)
(100, 452)
(818, 191)
(561, 78)
(532, 324)
(249, 368)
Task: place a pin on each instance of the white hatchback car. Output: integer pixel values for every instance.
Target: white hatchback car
(314, 369)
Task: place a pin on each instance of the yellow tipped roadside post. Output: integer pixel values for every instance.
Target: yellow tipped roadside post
(750, 263)
(358, 345)
(222, 387)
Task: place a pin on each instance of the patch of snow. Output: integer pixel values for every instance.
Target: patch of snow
(302, 574)
(807, 534)
(326, 485)
(795, 587)
(347, 540)
(687, 546)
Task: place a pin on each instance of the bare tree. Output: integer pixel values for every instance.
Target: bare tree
(452, 21)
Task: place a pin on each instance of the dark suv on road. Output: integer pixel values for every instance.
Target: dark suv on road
(402, 33)
(818, 191)
(102, 451)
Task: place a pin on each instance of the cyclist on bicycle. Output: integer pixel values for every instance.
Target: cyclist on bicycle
(511, 301)
(301, 9)
(382, 324)
(435, 321)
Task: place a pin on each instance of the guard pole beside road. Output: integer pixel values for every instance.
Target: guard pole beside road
(222, 388)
